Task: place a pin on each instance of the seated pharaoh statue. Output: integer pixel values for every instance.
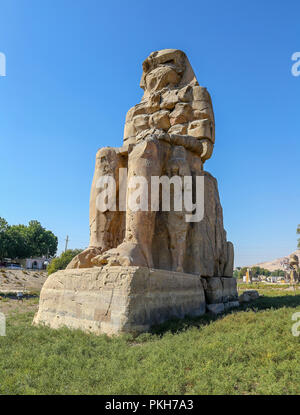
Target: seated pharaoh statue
(171, 132)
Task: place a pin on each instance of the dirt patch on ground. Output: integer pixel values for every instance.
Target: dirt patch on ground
(29, 280)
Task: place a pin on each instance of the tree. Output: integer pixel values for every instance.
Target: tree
(20, 241)
(17, 242)
(63, 260)
(242, 272)
(298, 232)
(235, 273)
(278, 273)
(256, 271)
(3, 225)
(41, 241)
(3, 238)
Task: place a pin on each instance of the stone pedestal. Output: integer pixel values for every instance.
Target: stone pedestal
(117, 299)
(220, 294)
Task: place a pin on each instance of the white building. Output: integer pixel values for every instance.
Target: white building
(274, 279)
(37, 263)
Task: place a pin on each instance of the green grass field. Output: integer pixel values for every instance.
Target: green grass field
(248, 351)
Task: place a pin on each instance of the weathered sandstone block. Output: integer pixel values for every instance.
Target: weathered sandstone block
(220, 290)
(213, 290)
(248, 295)
(118, 299)
(216, 308)
(229, 289)
(160, 119)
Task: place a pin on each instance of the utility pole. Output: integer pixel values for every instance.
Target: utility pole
(67, 241)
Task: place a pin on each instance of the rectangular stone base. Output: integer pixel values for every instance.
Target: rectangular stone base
(118, 299)
(220, 290)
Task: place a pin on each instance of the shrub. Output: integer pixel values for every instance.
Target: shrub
(63, 260)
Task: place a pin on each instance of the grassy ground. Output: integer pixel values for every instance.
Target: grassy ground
(248, 351)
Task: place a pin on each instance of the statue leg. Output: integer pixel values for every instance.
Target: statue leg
(146, 160)
(106, 228)
(176, 223)
(178, 229)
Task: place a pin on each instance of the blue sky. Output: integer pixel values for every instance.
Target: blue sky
(73, 71)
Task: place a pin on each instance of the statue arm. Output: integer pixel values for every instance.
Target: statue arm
(188, 142)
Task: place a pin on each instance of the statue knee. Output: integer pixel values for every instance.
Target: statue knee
(106, 159)
(145, 149)
(105, 152)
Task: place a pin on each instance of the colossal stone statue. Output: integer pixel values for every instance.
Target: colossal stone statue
(143, 267)
(170, 132)
(294, 265)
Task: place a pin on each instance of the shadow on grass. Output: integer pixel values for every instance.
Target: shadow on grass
(13, 296)
(263, 303)
(266, 302)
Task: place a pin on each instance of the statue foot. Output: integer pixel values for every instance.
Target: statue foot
(83, 260)
(126, 254)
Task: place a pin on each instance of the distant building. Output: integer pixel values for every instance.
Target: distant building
(37, 263)
(274, 279)
(252, 279)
